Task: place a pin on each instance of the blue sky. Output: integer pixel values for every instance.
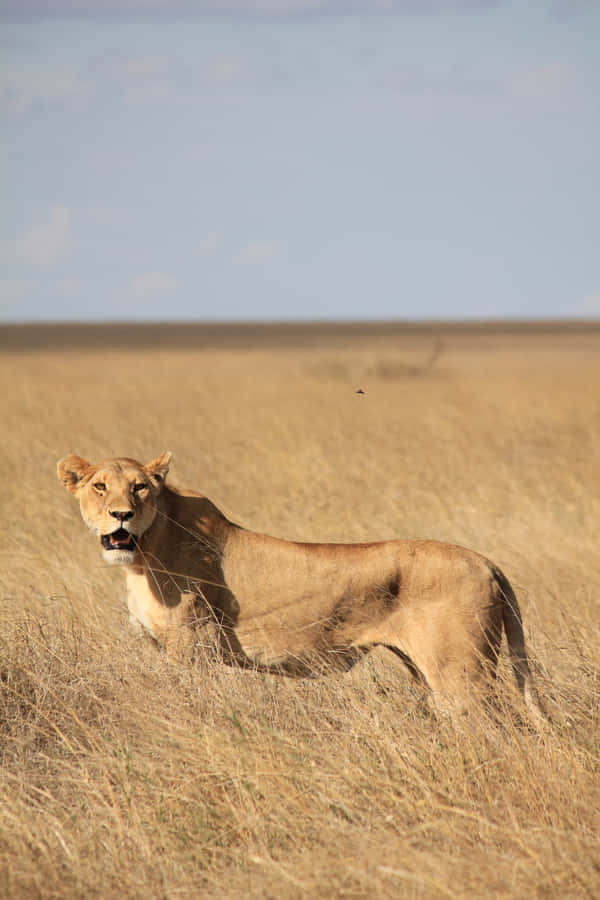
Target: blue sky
(293, 159)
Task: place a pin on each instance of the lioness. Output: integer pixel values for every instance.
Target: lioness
(297, 608)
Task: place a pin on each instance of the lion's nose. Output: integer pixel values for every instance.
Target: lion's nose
(122, 514)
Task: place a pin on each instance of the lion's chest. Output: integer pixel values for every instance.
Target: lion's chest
(144, 607)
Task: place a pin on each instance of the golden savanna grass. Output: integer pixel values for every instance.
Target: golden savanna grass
(124, 774)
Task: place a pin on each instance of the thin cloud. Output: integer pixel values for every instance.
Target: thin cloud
(19, 89)
(589, 305)
(136, 79)
(569, 9)
(68, 287)
(545, 82)
(41, 244)
(152, 284)
(209, 245)
(257, 252)
(144, 67)
(273, 9)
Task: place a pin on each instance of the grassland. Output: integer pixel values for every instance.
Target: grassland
(126, 775)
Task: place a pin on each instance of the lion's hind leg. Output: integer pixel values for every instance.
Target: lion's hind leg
(458, 670)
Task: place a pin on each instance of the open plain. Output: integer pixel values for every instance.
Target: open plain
(126, 775)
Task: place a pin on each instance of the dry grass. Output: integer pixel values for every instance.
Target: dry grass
(124, 775)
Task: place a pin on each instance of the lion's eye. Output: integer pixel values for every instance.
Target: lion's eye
(100, 486)
(137, 488)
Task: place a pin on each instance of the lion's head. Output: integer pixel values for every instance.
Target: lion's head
(117, 499)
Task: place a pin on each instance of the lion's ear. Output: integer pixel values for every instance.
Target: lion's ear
(158, 468)
(71, 470)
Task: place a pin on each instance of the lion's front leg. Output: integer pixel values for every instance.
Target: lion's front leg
(136, 626)
(179, 634)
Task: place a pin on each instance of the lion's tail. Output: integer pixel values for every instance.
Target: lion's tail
(513, 625)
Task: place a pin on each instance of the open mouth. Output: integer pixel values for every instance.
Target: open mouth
(119, 540)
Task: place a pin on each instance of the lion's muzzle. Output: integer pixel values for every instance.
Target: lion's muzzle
(119, 540)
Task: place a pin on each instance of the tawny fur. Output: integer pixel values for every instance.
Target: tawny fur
(298, 608)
